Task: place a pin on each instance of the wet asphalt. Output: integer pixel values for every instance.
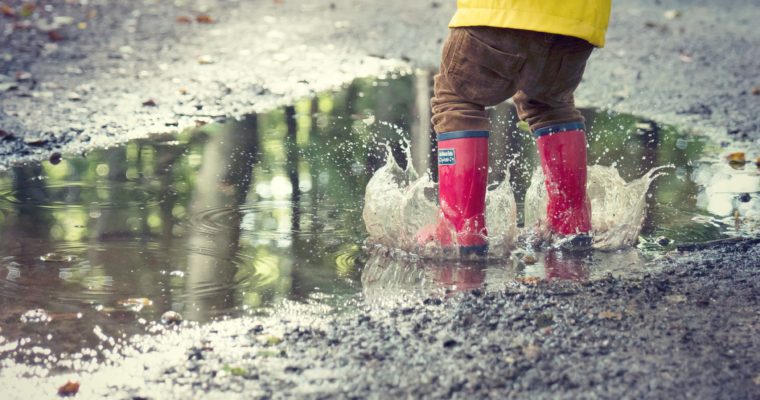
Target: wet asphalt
(689, 331)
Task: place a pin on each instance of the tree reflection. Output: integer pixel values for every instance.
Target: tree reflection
(221, 187)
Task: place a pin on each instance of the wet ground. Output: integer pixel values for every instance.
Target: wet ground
(261, 218)
(94, 243)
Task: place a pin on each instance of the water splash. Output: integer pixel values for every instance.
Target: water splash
(398, 204)
(618, 207)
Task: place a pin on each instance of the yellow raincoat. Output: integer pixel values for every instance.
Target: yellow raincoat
(585, 19)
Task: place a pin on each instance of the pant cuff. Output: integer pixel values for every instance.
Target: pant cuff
(563, 127)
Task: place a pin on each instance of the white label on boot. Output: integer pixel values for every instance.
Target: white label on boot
(447, 157)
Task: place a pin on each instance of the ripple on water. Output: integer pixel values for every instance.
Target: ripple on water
(78, 195)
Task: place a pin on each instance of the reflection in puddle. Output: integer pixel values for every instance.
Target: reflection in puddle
(235, 218)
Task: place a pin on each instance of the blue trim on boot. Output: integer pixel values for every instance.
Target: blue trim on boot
(481, 250)
(462, 134)
(564, 127)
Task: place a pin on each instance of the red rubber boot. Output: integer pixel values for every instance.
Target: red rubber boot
(562, 149)
(462, 179)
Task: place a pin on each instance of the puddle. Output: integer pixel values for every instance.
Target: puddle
(233, 219)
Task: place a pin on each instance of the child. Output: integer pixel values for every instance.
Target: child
(535, 52)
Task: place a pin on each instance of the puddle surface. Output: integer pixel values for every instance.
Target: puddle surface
(235, 218)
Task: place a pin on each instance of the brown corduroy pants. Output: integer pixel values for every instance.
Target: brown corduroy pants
(484, 66)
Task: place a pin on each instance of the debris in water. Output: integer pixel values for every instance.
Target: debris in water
(171, 318)
(70, 388)
(135, 304)
(57, 258)
(736, 157)
(55, 158)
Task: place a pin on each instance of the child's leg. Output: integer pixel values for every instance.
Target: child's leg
(476, 72)
(560, 134)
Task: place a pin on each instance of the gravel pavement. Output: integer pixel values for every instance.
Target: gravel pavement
(113, 71)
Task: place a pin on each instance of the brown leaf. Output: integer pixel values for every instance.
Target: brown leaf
(736, 157)
(149, 103)
(70, 388)
(55, 36)
(184, 19)
(611, 315)
(7, 10)
(204, 19)
(529, 280)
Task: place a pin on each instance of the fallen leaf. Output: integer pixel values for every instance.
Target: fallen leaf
(184, 19)
(70, 388)
(736, 157)
(611, 315)
(28, 9)
(204, 19)
(7, 11)
(149, 103)
(529, 280)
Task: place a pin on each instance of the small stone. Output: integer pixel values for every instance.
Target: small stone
(55, 158)
(663, 241)
(171, 318)
(531, 352)
(675, 298)
(206, 59)
(672, 14)
(745, 197)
